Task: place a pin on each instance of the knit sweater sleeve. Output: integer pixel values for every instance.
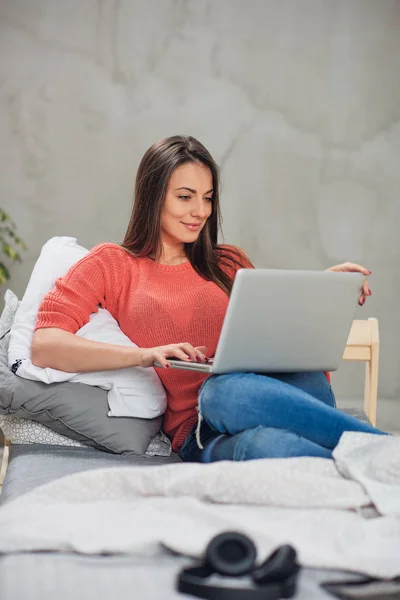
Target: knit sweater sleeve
(92, 283)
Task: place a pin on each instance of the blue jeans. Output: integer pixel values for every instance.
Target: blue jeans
(247, 416)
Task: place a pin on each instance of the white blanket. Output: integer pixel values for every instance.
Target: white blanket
(303, 501)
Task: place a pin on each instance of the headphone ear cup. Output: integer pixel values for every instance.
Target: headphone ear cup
(231, 553)
(281, 564)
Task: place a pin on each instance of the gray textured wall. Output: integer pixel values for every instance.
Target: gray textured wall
(299, 101)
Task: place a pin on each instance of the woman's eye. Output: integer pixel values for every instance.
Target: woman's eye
(209, 199)
(184, 197)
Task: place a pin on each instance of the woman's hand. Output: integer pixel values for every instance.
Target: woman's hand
(349, 267)
(183, 351)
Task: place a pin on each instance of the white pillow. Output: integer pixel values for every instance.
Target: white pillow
(11, 304)
(56, 257)
(133, 392)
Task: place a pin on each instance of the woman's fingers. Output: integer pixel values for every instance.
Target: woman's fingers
(160, 359)
(183, 351)
(354, 267)
(349, 267)
(182, 354)
(365, 292)
(191, 352)
(196, 354)
(202, 349)
(365, 288)
(201, 353)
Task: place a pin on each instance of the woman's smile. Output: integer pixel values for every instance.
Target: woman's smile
(192, 226)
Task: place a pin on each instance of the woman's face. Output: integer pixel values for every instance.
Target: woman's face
(187, 205)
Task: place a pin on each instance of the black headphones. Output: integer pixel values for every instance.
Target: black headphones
(234, 554)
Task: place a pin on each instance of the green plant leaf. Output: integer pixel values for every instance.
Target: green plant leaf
(17, 240)
(10, 231)
(9, 251)
(5, 218)
(7, 234)
(4, 274)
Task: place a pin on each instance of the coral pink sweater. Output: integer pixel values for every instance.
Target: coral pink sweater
(154, 305)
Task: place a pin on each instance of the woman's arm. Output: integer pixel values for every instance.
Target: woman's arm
(65, 351)
(58, 349)
(93, 281)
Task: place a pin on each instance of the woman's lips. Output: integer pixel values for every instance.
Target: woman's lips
(191, 226)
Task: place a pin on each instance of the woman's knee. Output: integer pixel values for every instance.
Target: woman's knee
(212, 400)
(223, 396)
(314, 383)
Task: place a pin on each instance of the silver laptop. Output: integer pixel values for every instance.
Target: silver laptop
(284, 321)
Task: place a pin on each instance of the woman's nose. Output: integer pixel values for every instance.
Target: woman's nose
(200, 209)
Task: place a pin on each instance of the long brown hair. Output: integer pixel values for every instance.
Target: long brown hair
(213, 262)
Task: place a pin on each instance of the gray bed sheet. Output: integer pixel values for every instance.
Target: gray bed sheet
(32, 465)
(62, 576)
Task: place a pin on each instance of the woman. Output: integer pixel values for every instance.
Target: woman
(170, 281)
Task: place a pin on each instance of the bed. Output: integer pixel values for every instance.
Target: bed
(68, 574)
(63, 575)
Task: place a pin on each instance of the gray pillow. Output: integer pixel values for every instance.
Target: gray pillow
(75, 410)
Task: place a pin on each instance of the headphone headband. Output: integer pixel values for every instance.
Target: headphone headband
(192, 581)
(234, 554)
